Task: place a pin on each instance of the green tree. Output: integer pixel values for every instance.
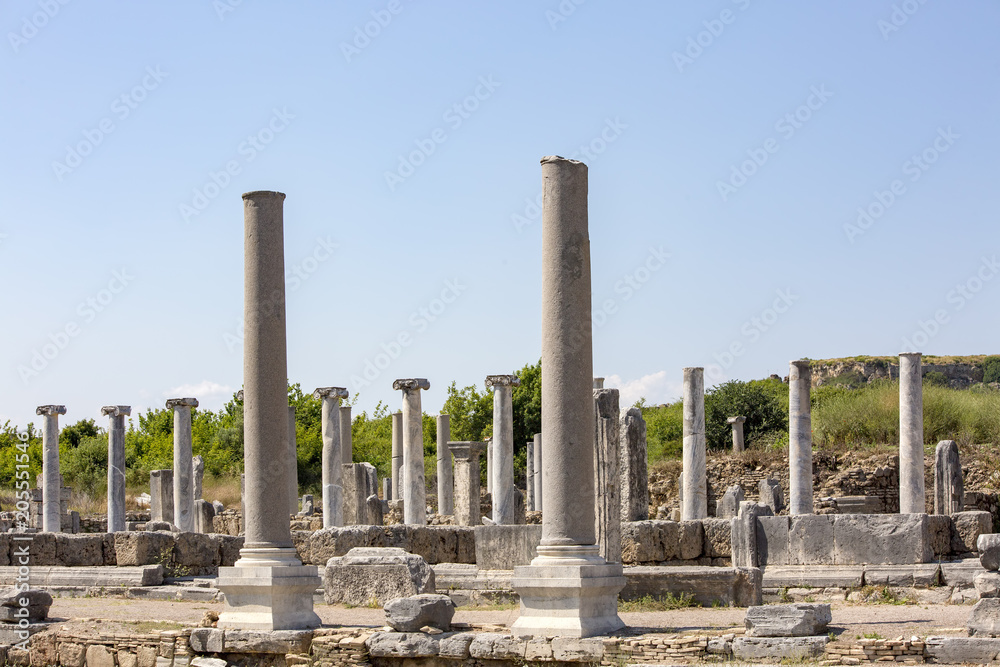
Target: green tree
(471, 413)
(757, 400)
(991, 369)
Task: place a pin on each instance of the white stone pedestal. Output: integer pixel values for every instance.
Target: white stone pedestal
(568, 591)
(268, 589)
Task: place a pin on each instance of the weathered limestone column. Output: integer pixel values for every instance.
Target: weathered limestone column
(504, 500)
(607, 454)
(538, 471)
(800, 467)
(467, 481)
(346, 440)
(161, 495)
(598, 383)
(489, 466)
(695, 483)
(51, 480)
(332, 466)
(414, 489)
(949, 486)
(268, 588)
(446, 485)
(568, 589)
(737, 424)
(397, 455)
(633, 469)
(293, 463)
(116, 465)
(529, 476)
(911, 435)
(183, 466)
(197, 475)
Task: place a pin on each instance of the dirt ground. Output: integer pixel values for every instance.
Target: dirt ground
(850, 621)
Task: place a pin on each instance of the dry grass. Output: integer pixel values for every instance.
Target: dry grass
(224, 489)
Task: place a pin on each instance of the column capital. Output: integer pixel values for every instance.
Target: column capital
(911, 355)
(736, 420)
(558, 158)
(801, 364)
(116, 410)
(174, 403)
(331, 392)
(50, 410)
(239, 395)
(263, 194)
(411, 384)
(464, 450)
(503, 381)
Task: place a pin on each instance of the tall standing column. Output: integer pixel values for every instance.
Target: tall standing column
(414, 488)
(116, 465)
(397, 455)
(634, 467)
(467, 481)
(183, 467)
(268, 588)
(332, 466)
(568, 589)
(504, 500)
(800, 467)
(346, 441)
(489, 466)
(538, 471)
(51, 480)
(446, 487)
(529, 476)
(293, 463)
(911, 435)
(695, 484)
(607, 454)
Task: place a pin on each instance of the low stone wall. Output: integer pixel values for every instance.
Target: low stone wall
(436, 544)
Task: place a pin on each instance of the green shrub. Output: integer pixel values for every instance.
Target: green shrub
(757, 400)
(991, 369)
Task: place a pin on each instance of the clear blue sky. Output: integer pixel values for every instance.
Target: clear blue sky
(121, 223)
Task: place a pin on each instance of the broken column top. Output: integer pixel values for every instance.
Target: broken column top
(736, 420)
(503, 381)
(693, 368)
(801, 364)
(331, 392)
(910, 354)
(411, 383)
(182, 403)
(50, 410)
(559, 158)
(117, 410)
(466, 446)
(258, 194)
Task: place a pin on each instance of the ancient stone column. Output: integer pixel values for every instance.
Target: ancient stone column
(598, 383)
(414, 489)
(695, 484)
(183, 466)
(489, 466)
(737, 424)
(466, 481)
(446, 485)
(568, 589)
(800, 468)
(116, 465)
(293, 463)
(269, 588)
(633, 467)
(197, 475)
(949, 486)
(161, 495)
(397, 455)
(538, 471)
(51, 480)
(504, 500)
(607, 456)
(332, 466)
(529, 476)
(911, 435)
(346, 441)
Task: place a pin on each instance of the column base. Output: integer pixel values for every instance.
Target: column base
(268, 589)
(568, 592)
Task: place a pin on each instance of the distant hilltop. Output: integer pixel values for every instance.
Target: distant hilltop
(952, 371)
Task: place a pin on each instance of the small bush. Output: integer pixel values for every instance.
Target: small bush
(936, 379)
(991, 369)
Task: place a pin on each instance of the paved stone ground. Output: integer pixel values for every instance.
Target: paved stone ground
(849, 620)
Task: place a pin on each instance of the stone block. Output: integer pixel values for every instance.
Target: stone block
(788, 620)
(127, 658)
(300, 538)
(810, 539)
(778, 649)
(50, 575)
(229, 549)
(939, 529)
(690, 540)
(206, 640)
(72, 655)
(411, 613)
(13, 601)
(772, 540)
(146, 656)
(379, 574)
(718, 538)
(456, 645)
(329, 542)
(984, 621)
(142, 548)
(641, 542)
(99, 655)
(196, 553)
(203, 661)
(771, 495)
(273, 641)
(918, 575)
(826, 576)
(738, 587)
(968, 527)
(958, 650)
(492, 646)
(41, 549)
(961, 573)
(987, 585)
(574, 649)
(730, 503)
(435, 544)
(988, 546)
(402, 645)
(887, 539)
(79, 550)
(504, 547)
